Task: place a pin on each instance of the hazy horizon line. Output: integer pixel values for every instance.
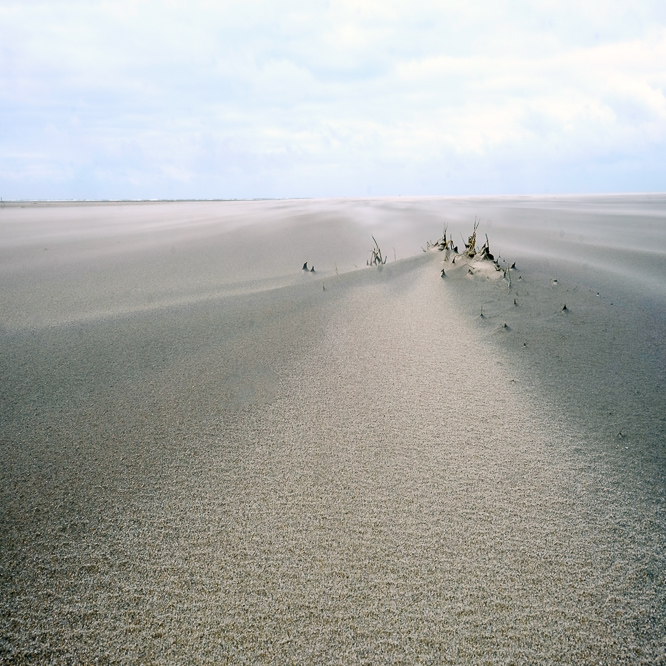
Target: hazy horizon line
(312, 198)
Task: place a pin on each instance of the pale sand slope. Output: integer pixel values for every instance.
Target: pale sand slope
(367, 473)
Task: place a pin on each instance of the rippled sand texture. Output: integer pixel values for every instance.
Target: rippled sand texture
(352, 468)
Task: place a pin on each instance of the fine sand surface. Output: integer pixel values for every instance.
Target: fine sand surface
(210, 456)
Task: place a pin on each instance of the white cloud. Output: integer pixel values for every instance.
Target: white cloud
(260, 98)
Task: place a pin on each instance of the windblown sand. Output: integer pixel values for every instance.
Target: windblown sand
(211, 456)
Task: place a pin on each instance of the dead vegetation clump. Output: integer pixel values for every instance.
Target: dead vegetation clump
(484, 252)
(376, 258)
(470, 245)
(478, 260)
(442, 243)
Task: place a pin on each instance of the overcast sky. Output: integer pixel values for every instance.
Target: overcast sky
(290, 98)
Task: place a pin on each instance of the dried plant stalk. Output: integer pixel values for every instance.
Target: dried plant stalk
(470, 245)
(376, 258)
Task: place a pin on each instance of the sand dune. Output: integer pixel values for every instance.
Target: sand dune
(210, 455)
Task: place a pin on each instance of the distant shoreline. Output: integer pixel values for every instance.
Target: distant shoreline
(446, 197)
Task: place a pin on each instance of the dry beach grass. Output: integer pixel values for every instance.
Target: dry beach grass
(221, 462)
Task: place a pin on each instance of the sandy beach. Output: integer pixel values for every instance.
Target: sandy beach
(209, 455)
